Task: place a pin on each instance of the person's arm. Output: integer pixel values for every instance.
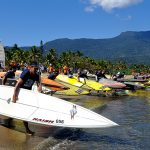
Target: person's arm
(16, 90)
(38, 82)
(4, 79)
(39, 86)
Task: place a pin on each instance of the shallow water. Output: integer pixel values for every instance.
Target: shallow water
(132, 113)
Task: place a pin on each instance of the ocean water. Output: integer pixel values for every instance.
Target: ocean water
(132, 113)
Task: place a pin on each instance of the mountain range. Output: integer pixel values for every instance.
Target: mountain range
(130, 46)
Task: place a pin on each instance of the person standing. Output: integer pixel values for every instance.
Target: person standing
(26, 81)
(100, 74)
(82, 74)
(9, 74)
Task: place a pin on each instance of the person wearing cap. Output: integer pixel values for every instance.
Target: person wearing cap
(52, 73)
(51, 69)
(9, 74)
(26, 81)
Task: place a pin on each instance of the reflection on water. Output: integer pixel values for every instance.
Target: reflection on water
(132, 113)
(141, 93)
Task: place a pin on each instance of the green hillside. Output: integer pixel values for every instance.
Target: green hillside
(129, 46)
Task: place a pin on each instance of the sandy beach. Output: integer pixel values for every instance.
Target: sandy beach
(13, 140)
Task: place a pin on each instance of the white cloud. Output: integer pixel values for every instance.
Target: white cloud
(109, 5)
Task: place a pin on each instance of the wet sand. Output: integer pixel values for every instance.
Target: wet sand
(14, 140)
(17, 139)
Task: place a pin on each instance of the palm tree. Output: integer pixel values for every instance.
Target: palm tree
(14, 54)
(51, 57)
(34, 54)
(42, 48)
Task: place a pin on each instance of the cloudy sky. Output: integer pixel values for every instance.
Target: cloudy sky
(27, 22)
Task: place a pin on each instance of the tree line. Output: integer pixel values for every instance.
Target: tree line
(73, 59)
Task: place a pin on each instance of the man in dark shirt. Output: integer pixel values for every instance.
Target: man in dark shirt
(9, 74)
(28, 77)
(26, 80)
(82, 74)
(100, 74)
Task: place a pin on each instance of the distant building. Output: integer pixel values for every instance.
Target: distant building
(2, 55)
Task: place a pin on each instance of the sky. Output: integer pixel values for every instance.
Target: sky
(27, 22)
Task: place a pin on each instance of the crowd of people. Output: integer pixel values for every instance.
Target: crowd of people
(31, 74)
